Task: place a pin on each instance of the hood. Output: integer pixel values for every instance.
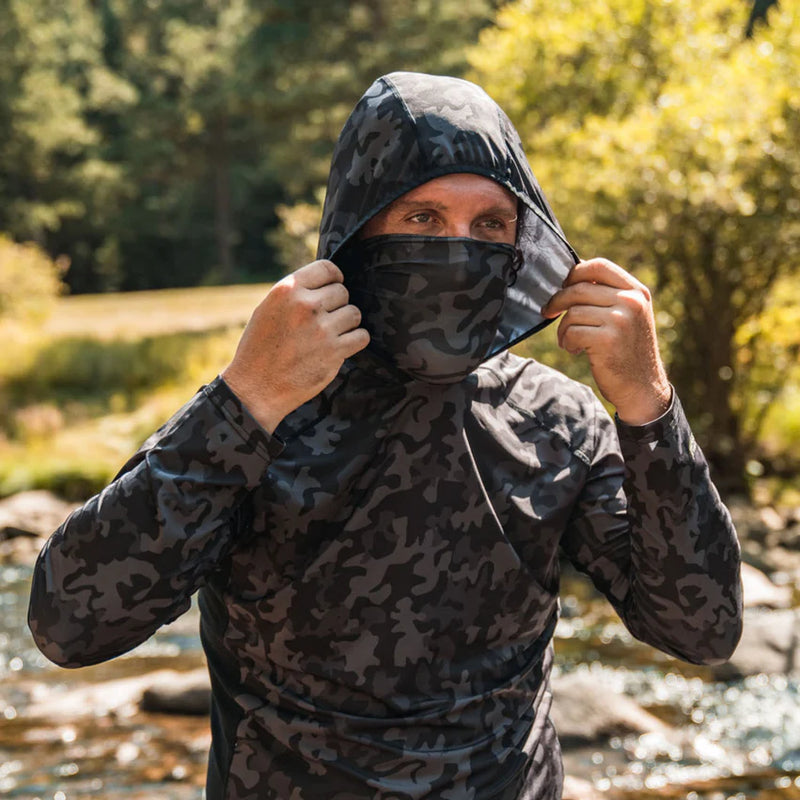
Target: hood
(409, 128)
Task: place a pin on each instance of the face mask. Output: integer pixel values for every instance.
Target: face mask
(431, 304)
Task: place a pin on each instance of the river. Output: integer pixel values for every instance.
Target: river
(735, 740)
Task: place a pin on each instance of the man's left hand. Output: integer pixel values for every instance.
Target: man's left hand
(608, 315)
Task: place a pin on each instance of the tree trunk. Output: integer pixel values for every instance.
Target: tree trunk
(703, 366)
(223, 211)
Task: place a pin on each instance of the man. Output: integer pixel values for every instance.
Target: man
(373, 515)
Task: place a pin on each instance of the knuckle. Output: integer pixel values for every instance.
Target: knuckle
(284, 288)
(637, 301)
(310, 305)
(332, 272)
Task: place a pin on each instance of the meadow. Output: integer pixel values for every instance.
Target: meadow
(81, 390)
(79, 393)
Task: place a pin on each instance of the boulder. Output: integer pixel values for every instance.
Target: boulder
(35, 514)
(751, 525)
(770, 644)
(588, 709)
(178, 693)
(165, 690)
(761, 592)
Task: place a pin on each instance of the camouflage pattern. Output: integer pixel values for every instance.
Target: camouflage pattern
(431, 304)
(410, 128)
(378, 581)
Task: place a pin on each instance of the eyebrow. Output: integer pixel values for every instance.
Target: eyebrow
(407, 205)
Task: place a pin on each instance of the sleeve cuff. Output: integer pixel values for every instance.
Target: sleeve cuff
(235, 412)
(655, 430)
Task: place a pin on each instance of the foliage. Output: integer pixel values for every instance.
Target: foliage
(29, 282)
(667, 141)
(151, 142)
(57, 186)
(322, 58)
(78, 398)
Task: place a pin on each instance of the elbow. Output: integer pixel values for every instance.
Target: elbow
(707, 642)
(710, 647)
(58, 654)
(62, 634)
(57, 639)
(68, 646)
(719, 646)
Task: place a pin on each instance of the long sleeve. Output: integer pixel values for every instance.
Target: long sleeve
(653, 535)
(129, 560)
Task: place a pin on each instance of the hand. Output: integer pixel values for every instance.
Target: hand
(295, 342)
(608, 315)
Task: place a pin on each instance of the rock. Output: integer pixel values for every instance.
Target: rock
(771, 519)
(579, 789)
(70, 702)
(586, 708)
(791, 539)
(179, 693)
(20, 550)
(748, 521)
(169, 691)
(35, 514)
(770, 644)
(761, 592)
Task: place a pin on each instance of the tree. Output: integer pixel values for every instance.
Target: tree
(313, 61)
(56, 186)
(667, 140)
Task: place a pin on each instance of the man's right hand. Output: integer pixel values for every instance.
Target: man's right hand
(295, 342)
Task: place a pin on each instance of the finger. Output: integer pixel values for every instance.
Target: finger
(592, 316)
(603, 271)
(583, 338)
(332, 296)
(584, 293)
(317, 274)
(353, 342)
(573, 320)
(344, 319)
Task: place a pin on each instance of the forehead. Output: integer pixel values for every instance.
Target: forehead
(459, 190)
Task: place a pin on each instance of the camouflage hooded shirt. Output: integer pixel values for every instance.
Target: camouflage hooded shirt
(378, 580)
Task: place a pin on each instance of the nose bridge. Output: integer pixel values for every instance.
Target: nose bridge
(459, 225)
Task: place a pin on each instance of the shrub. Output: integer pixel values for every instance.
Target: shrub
(29, 281)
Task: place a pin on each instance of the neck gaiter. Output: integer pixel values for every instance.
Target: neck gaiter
(431, 304)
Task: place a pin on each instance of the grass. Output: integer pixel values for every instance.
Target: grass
(129, 316)
(79, 394)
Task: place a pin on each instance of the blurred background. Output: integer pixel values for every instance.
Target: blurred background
(162, 161)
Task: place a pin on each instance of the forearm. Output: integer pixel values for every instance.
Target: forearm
(653, 535)
(129, 560)
(685, 559)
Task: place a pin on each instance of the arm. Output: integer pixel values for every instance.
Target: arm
(651, 532)
(650, 528)
(130, 559)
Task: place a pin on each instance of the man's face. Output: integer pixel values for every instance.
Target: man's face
(460, 205)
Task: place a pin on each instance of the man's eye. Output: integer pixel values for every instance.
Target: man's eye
(421, 217)
(494, 223)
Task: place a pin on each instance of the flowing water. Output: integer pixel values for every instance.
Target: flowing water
(730, 741)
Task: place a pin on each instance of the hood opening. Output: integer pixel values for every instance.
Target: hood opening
(409, 128)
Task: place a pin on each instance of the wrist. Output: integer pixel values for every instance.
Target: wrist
(646, 407)
(267, 410)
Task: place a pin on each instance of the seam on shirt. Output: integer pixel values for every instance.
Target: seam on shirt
(260, 448)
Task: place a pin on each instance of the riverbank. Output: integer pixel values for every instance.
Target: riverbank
(633, 722)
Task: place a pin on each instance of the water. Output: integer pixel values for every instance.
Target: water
(729, 741)
(90, 754)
